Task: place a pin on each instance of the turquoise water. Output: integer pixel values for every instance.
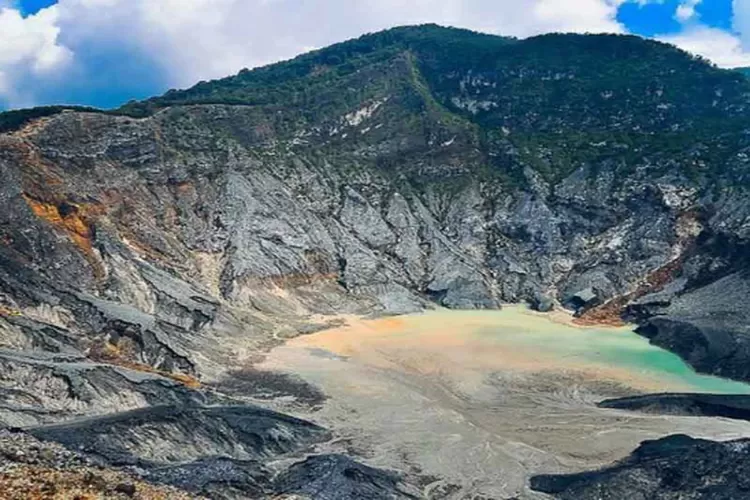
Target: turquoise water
(516, 339)
(608, 348)
(638, 355)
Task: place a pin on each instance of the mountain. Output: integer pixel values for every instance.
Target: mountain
(148, 254)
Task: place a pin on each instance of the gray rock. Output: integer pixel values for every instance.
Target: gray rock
(542, 303)
(216, 477)
(145, 437)
(583, 299)
(673, 467)
(735, 406)
(337, 477)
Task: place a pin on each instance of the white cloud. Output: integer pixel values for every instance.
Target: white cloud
(579, 16)
(721, 47)
(28, 46)
(197, 39)
(741, 20)
(728, 49)
(686, 10)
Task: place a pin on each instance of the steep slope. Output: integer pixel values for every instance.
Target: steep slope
(149, 251)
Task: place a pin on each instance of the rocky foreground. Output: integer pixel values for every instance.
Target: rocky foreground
(223, 452)
(676, 467)
(149, 255)
(30, 468)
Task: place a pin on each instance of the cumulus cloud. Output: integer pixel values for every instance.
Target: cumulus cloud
(741, 20)
(721, 47)
(686, 10)
(194, 39)
(724, 48)
(728, 49)
(28, 47)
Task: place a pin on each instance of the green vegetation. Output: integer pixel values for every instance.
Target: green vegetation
(14, 120)
(533, 83)
(291, 81)
(554, 102)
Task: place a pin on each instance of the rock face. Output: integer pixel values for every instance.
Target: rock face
(217, 451)
(336, 477)
(217, 477)
(698, 405)
(706, 324)
(670, 468)
(149, 253)
(133, 438)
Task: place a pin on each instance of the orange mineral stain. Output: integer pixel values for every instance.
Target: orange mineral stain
(76, 220)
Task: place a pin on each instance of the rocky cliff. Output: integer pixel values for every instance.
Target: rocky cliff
(147, 253)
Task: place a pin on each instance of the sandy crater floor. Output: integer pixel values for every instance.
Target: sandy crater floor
(486, 399)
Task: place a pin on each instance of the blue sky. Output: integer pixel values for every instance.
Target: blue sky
(658, 18)
(105, 52)
(33, 6)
